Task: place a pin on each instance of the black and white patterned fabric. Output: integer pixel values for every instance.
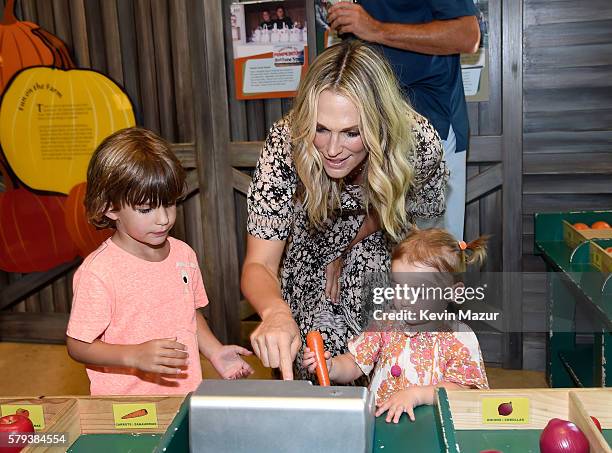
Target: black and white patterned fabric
(275, 214)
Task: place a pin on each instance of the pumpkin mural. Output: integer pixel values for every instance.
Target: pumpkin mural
(33, 236)
(25, 44)
(86, 237)
(52, 120)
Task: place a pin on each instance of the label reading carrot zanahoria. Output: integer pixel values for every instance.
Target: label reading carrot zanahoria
(33, 411)
(135, 415)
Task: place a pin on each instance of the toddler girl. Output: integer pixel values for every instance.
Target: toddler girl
(406, 364)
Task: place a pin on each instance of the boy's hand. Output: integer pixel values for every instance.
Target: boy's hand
(163, 356)
(229, 364)
(403, 401)
(310, 361)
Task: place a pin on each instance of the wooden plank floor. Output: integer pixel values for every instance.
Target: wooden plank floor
(43, 369)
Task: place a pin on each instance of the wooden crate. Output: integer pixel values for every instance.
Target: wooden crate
(574, 237)
(78, 415)
(464, 413)
(599, 258)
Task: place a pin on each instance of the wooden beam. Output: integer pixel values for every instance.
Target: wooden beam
(512, 154)
(185, 153)
(33, 327)
(241, 181)
(211, 136)
(193, 184)
(568, 163)
(483, 183)
(244, 154)
(485, 148)
(33, 282)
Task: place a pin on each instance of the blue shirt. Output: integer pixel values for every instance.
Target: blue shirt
(432, 83)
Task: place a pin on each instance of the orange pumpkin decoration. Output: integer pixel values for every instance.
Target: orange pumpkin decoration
(86, 237)
(33, 236)
(25, 44)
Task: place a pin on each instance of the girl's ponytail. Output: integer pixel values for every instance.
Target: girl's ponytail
(474, 252)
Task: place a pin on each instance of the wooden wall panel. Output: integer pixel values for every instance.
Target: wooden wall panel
(144, 46)
(567, 125)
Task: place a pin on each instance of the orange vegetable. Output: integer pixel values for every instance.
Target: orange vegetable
(609, 250)
(315, 343)
(581, 226)
(135, 414)
(600, 225)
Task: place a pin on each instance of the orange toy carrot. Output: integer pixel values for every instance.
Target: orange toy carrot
(315, 343)
(135, 414)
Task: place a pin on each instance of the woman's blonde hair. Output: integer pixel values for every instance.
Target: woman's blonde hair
(356, 71)
(437, 248)
(131, 167)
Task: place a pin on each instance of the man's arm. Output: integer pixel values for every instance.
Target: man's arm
(439, 37)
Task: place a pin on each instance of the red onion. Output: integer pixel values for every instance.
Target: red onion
(505, 408)
(562, 436)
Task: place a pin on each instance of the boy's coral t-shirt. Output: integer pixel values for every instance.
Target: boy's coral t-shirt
(123, 299)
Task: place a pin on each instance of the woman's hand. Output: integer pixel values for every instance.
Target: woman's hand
(332, 279)
(277, 340)
(229, 364)
(309, 360)
(403, 401)
(163, 356)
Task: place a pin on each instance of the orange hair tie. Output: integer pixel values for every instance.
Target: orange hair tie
(462, 245)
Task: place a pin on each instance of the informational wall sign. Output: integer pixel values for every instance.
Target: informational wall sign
(52, 120)
(270, 50)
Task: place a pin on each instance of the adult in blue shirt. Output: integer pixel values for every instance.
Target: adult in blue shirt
(422, 40)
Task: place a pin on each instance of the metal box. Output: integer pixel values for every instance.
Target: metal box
(280, 416)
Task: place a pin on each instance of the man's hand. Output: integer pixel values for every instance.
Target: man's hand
(277, 341)
(345, 17)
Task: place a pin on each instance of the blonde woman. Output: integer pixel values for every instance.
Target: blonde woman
(339, 181)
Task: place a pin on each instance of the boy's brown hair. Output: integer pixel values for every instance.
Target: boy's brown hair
(131, 167)
(437, 248)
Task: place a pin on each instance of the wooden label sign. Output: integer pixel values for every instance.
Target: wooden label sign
(505, 410)
(33, 411)
(135, 415)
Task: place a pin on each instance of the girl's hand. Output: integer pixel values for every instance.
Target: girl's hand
(229, 364)
(403, 401)
(163, 356)
(310, 361)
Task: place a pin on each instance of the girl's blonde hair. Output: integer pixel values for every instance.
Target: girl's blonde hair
(356, 71)
(437, 248)
(131, 167)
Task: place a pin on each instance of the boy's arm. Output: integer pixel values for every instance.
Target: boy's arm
(164, 356)
(207, 342)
